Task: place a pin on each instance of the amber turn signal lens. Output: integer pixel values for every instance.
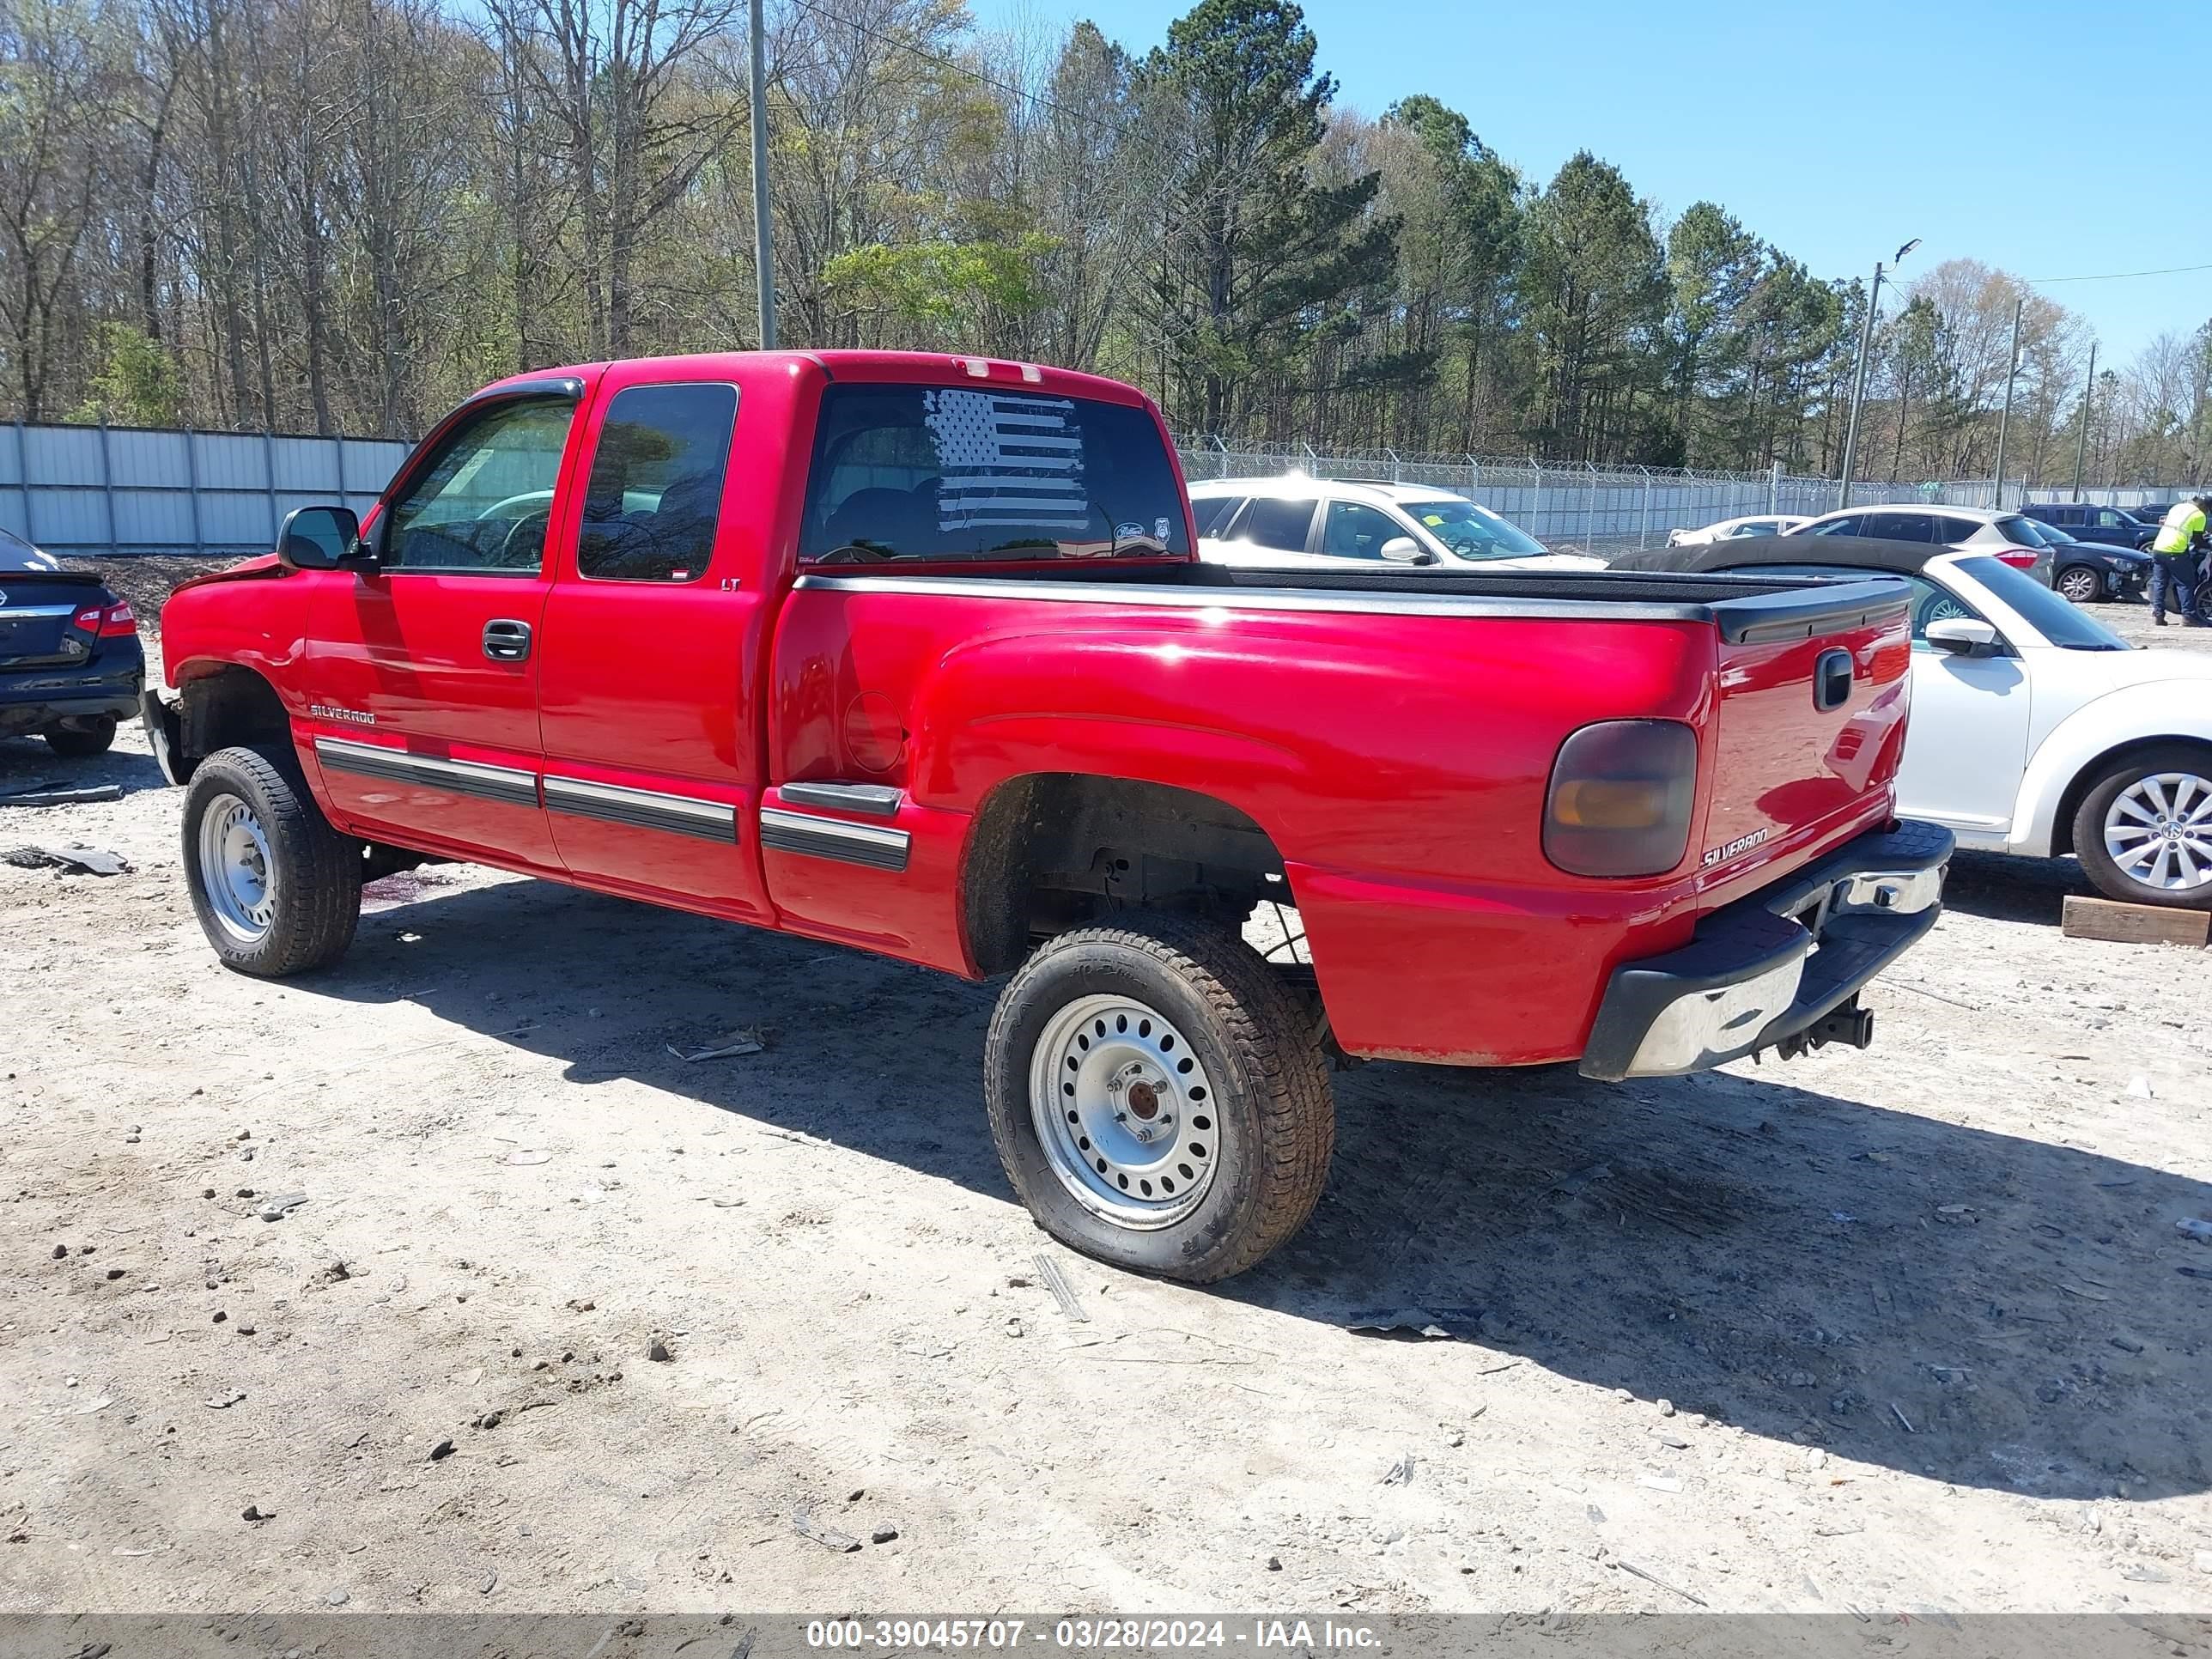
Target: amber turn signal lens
(1621, 796)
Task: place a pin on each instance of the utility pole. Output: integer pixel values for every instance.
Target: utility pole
(2081, 438)
(1858, 389)
(763, 262)
(1859, 375)
(2004, 418)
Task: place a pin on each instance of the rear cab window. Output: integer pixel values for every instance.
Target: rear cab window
(912, 474)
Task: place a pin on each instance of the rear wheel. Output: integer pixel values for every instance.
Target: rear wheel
(1159, 1099)
(2080, 583)
(277, 891)
(2143, 832)
(83, 742)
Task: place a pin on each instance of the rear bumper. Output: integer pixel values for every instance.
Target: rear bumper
(40, 702)
(1776, 965)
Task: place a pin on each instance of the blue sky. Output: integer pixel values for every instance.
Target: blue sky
(2046, 138)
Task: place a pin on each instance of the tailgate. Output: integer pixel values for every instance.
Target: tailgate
(1811, 723)
(36, 613)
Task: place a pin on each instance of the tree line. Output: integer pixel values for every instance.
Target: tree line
(343, 214)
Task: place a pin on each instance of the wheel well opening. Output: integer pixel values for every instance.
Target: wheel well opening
(1055, 851)
(2062, 828)
(229, 706)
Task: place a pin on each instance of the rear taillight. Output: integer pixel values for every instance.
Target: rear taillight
(1621, 797)
(106, 622)
(2018, 559)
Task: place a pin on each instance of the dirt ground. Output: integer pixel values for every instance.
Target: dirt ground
(1910, 1330)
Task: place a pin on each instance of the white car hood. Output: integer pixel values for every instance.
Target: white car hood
(2116, 671)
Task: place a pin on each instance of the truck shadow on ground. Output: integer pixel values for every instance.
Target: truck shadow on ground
(2007, 889)
(1940, 1299)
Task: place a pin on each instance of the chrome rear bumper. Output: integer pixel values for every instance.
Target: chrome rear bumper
(1776, 969)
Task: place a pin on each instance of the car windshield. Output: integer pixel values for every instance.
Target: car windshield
(2053, 617)
(2039, 533)
(1471, 532)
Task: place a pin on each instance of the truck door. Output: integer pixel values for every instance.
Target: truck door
(422, 674)
(649, 716)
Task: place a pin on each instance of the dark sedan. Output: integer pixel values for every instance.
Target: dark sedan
(70, 663)
(2086, 571)
(2121, 526)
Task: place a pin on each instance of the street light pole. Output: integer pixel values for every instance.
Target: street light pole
(764, 262)
(1859, 375)
(2004, 418)
(1858, 389)
(2081, 438)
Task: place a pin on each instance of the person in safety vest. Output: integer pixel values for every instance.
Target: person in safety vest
(2173, 562)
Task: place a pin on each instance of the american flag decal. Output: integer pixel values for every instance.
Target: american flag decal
(1007, 459)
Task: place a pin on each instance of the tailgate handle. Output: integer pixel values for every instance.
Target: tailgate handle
(505, 640)
(1831, 680)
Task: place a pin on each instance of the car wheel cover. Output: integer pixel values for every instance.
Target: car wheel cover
(2158, 831)
(2081, 585)
(236, 872)
(1124, 1111)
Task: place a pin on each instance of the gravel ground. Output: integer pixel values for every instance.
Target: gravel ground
(1910, 1329)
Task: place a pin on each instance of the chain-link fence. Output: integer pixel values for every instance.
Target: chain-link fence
(1578, 506)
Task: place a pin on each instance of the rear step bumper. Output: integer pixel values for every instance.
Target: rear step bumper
(1781, 969)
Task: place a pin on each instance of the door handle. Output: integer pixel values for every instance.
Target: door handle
(505, 639)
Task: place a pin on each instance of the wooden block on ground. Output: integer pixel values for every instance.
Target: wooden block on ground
(2134, 924)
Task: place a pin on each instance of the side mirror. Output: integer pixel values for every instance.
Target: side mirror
(1964, 636)
(1404, 550)
(317, 538)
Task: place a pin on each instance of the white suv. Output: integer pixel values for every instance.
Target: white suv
(1294, 522)
(2005, 537)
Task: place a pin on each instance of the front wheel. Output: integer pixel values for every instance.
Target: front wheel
(1159, 1099)
(277, 891)
(2082, 584)
(2143, 832)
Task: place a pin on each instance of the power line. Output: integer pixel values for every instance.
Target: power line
(2109, 275)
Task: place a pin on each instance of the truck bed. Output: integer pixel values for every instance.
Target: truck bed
(1744, 609)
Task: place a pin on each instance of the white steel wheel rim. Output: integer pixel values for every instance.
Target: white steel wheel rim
(2158, 831)
(2081, 585)
(236, 871)
(1125, 1112)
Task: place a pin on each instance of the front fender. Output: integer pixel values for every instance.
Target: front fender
(2134, 714)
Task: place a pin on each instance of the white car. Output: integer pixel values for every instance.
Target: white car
(1728, 530)
(1296, 522)
(2037, 730)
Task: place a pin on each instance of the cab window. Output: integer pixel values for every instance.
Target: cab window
(997, 473)
(482, 503)
(655, 493)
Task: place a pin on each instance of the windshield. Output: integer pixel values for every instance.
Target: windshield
(913, 472)
(2053, 617)
(2039, 533)
(1472, 533)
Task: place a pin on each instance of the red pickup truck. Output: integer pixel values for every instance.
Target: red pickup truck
(913, 654)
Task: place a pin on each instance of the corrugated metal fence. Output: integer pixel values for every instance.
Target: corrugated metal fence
(118, 490)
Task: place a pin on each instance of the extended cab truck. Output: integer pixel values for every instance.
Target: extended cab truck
(912, 653)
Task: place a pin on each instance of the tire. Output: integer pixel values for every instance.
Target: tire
(84, 742)
(2082, 584)
(276, 889)
(1234, 1074)
(2180, 775)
